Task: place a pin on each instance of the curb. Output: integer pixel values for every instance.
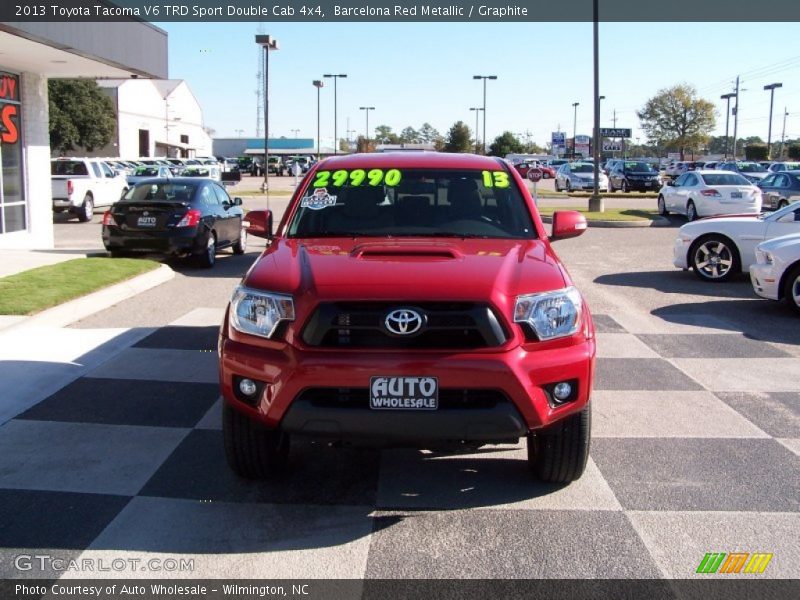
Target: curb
(657, 222)
(80, 308)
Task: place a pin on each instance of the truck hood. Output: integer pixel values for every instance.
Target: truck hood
(407, 269)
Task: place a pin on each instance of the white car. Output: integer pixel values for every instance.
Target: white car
(579, 176)
(709, 193)
(776, 273)
(719, 248)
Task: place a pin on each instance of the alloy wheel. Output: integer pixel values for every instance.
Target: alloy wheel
(713, 259)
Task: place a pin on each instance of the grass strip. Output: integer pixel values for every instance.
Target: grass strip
(34, 290)
(610, 214)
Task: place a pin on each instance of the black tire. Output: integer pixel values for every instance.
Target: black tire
(558, 454)
(691, 211)
(209, 258)
(625, 187)
(611, 188)
(240, 245)
(707, 248)
(558, 187)
(782, 204)
(253, 451)
(568, 187)
(791, 288)
(118, 254)
(662, 206)
(86, 211)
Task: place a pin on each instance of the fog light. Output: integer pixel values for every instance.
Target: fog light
(562, 391)
(248, 387)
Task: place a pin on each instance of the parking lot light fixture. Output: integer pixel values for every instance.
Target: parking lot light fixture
(477, 112)
(335, 78)
(771, 87)
(484, 77)
(268, 43)
(367, 109)
(318, 84)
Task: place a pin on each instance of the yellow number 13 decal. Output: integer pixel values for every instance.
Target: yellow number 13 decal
(498, 179)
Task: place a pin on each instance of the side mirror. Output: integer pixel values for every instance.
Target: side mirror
(671, 183)
(237, 201)
(259, 223)
(567, 224)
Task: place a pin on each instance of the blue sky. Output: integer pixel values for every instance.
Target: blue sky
(414, 73)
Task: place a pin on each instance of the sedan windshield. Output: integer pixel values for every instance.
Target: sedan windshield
(638, 167)
(413, 202)
(146, 172)
(582, 168)
(724, 179)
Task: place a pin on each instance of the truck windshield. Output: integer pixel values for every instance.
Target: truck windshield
(412, 202)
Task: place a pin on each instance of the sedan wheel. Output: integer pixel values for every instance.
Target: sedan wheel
(691, 211)
(87, 210)
(625, 187)
(782, 204)
(662, 207)
(558, 187)
(240, 247)
(714, 258)
(792, 290)
(568, 186)
(209, 257)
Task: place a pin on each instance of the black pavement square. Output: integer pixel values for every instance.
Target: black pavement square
(776, 413)
(318, 474)
(127, 402)
(700, 474)
(182, 338)
(710, 345)
(641, 374)
(606, 324)
(39, 519)
(507, 544)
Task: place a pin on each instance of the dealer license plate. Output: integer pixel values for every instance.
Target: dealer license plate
(146, 222)
(736, 194)
(403, 393)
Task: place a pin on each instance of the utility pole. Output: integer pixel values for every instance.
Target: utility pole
(596, 203)
(727, 97)
(771, 87)
(736, 117)
(783, 133)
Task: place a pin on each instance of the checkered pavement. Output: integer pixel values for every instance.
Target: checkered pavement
(686, 458)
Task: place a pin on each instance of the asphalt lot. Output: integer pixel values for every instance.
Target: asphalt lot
(696, 447)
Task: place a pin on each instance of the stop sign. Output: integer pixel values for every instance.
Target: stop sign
(535, 174)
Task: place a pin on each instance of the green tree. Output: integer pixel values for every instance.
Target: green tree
(794, 151)
(676, 118)
(756, 151)
(81, 115)
(506, 143)
(385, 135)
(427, 134)
(409, 135)
(458, 138)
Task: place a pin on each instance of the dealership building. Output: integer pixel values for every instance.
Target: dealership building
(30, 54)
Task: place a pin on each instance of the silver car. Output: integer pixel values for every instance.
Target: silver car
(579, 176)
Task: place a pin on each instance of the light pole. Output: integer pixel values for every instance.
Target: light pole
(477, 112)
(366, 109)
(268, 43)
(727, 117)
(238, 132)
(736, 117)
(318, 84)
(335, 133)
(295, 132)
(771, 87)
(574, 125)
(484, 77)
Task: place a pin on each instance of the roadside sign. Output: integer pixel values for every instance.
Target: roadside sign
(615, 132)
(535, 174)
(612, 147)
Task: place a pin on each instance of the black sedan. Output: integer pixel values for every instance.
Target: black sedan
(779, 189)
(178, 216)
(627, 175)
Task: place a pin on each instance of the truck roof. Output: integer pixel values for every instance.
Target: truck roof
(412, 160)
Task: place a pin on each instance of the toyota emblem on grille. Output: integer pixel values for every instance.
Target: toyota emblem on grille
(403, 321)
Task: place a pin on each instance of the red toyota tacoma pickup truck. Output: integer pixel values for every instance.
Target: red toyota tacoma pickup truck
(409, 299)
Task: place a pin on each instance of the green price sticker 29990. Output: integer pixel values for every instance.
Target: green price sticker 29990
(356, 177)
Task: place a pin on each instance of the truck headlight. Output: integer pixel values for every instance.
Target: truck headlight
(551, 315)
(259, 313)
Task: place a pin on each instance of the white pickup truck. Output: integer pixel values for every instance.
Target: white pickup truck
(81, 184)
